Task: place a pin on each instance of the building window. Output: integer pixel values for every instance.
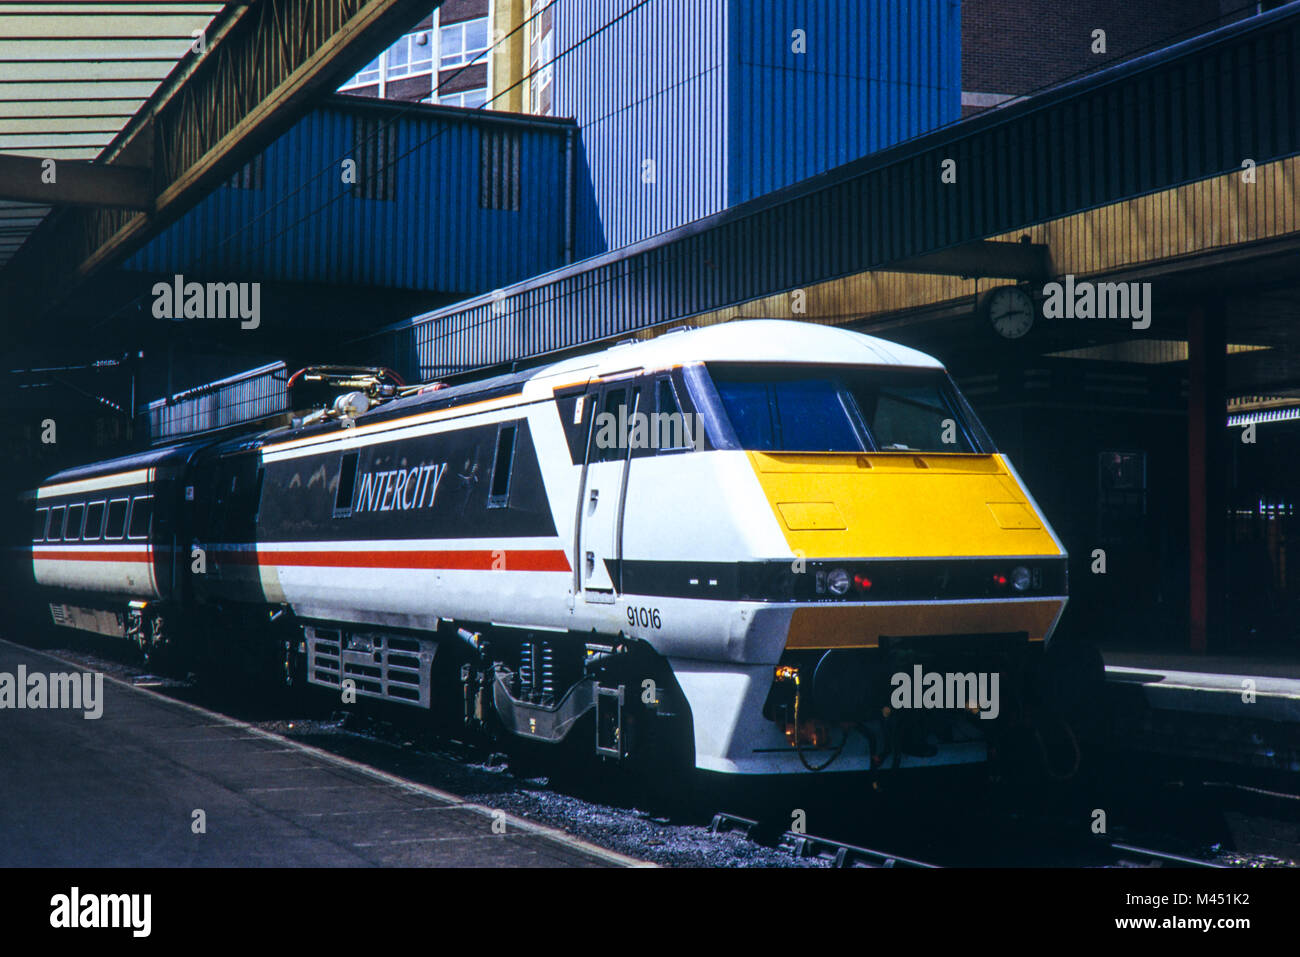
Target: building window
(399, 59)
(498, 178)
(370, 74)
(421, 52)
(462, 43)
(470, 99)
(374, 145)
(412, 55)
(541, 53)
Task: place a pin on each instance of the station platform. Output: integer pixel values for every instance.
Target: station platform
(122, 791)
(1227, 708)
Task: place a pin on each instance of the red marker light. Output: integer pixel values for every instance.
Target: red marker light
(1000, 580)
(862, 582)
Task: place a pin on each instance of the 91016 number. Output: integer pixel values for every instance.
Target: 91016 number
(645, 617)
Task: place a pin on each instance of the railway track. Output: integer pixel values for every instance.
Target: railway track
(1125, 852)
(810, 845)
(771, 840)
(842, 854)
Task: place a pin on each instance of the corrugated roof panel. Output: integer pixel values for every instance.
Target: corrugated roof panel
(894, 205)
(75, 73)
(423, 217)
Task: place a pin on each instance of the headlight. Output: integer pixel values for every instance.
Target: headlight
(1020, 578)
(837, 580)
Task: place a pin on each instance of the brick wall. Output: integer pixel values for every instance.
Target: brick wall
(1018, 46)
(454, 11)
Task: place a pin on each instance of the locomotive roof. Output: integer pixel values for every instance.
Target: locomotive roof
(451, 395)
(746, 340)
(127, 463)
(749, 340)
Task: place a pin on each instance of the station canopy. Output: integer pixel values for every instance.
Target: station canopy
(73, 74)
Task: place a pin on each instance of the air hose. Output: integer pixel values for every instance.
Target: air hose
(798, 744)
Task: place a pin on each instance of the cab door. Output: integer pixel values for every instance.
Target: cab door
(604, 486)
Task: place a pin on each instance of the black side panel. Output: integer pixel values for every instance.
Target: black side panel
(433, 486)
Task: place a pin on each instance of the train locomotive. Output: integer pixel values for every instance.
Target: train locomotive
(725, 548)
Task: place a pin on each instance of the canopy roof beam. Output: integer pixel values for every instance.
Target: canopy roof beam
(261, 66)
(74, 183)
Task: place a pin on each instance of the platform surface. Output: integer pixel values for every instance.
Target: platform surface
(1266, 689)
(122, 791)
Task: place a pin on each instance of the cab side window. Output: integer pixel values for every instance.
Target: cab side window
(671, 429)
(612, 426)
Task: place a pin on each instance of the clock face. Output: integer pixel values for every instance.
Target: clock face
(1011, 311)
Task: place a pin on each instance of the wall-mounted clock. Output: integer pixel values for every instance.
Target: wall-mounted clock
(1009, 310)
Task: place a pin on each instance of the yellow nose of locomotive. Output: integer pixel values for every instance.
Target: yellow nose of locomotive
(900, 505)
(956, 512)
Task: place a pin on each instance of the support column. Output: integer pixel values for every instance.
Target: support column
(1207, 474)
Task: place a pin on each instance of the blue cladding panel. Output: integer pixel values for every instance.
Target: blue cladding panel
(1022, 164)
(648, 87)
(713, 94)
(250, 395)
(871, 75)
(305, 225)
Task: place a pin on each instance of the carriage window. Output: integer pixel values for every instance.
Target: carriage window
(72, 530)
(56, 524)
(502, 465)
(141, 517)
(115, 527)
(347, 482)
(42, 518)
(94, 521)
